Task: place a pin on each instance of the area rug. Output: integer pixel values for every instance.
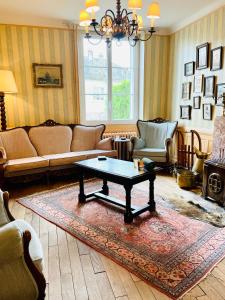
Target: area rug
(169, 251)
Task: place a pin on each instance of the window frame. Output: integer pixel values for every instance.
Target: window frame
(109, 111)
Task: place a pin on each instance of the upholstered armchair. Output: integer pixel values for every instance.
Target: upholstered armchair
(155, 138)
(21, 256)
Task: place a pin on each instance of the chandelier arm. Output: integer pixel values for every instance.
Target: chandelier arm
(148, 38)
(110, 11)
(95, 44)
(134, 42)
(98, 32)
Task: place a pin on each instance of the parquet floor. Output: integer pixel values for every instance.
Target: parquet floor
(75, 271)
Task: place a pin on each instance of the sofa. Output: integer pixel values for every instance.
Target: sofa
(49, 147)
(154, 141)
(21, 258)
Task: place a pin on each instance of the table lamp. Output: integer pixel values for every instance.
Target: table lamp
(7, 86)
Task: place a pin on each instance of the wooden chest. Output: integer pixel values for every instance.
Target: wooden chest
(214, 181)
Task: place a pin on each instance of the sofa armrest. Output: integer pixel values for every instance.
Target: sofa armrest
(105, 144)
(5, 215)
(3, 157)
(137, 143)
(168, 147)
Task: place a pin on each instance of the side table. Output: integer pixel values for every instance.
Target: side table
(123, 147)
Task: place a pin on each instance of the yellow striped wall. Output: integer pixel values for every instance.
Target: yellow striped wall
(210, 28)
(156, 77)
(20, 46)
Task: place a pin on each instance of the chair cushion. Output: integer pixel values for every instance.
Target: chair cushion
(26, 164)
(35, 248)
(17, 144)
(86, 137)
(95, 153)
(153, 152)
(51, 140)
(65, 158)
(155, 134)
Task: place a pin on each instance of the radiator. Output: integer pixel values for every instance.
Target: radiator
(126, 134)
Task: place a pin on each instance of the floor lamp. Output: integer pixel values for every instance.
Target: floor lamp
(7, 86)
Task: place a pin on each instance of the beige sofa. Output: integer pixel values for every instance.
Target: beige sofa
(44, 148)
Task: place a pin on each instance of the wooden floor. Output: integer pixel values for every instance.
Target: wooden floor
(75, 271)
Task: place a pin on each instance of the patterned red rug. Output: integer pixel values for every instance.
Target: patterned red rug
(169, 251)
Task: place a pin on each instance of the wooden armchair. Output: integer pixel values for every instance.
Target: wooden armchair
(155, 138)
(21, 256)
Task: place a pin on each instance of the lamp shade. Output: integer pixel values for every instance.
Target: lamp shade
(85, 19)
(92, 6)
(7, 82)
(154, 11)
(135, 4)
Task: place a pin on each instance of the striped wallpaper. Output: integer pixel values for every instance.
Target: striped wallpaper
(20, 46)
(156, 77)
(183, 44)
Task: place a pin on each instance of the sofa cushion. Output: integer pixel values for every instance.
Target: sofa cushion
(86, 137)
(17, 144)
(154, 134)
(65, 158)
(95, 153)
(51, 140)
(28, 163)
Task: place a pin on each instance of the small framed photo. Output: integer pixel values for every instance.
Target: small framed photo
(186, 90)
(189, 68)
(185, 112)
(207, 111)
(198, 83)
(202, 56)
(216, 59)
(209, 86)
(197, 102)
(220, 90)
(48, 75)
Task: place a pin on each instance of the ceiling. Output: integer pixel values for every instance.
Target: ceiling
(174, 13)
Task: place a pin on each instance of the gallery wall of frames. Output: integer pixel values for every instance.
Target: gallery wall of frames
(201, 91)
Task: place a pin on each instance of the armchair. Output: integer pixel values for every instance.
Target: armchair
(21, 256)
(155, 138)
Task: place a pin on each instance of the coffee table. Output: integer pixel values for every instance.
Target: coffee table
(120, 172)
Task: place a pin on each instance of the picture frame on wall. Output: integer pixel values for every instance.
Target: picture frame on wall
(186, 91)
(185, 112)
(209, 86)
(197, 102)
(216, 58)
(198, 83)
(48, 75)
(189, 68)
(220, 90)
(202, 56)
(207, 111)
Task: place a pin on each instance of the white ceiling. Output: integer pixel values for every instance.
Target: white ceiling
(174, 13)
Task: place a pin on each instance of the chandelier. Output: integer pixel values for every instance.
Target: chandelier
(120, 24)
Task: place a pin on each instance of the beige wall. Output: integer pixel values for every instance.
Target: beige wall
(156, 77)
(182, 50)
(20, 46)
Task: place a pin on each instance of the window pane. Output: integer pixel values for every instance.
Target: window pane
(122, 107)
(121, 80)
(121, 54)
(94, 55)
(96, 107)
(96, 80)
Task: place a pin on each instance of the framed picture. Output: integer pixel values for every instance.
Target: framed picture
(48, 75)
(189, 68)
(186, 90)
(185, 112)
(220, 90)
(207, 111)
(198, 84)
(209, 86)
(197, 102)
(202, 56)
(216, 59)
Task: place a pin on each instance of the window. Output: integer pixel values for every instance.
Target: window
(109, 85)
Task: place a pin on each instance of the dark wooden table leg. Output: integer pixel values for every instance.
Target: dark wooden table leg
(151, 195)
(81, 195)
(105, 188)
(128, 216)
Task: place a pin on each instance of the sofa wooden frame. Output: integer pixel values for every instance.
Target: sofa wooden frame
(58, 170)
